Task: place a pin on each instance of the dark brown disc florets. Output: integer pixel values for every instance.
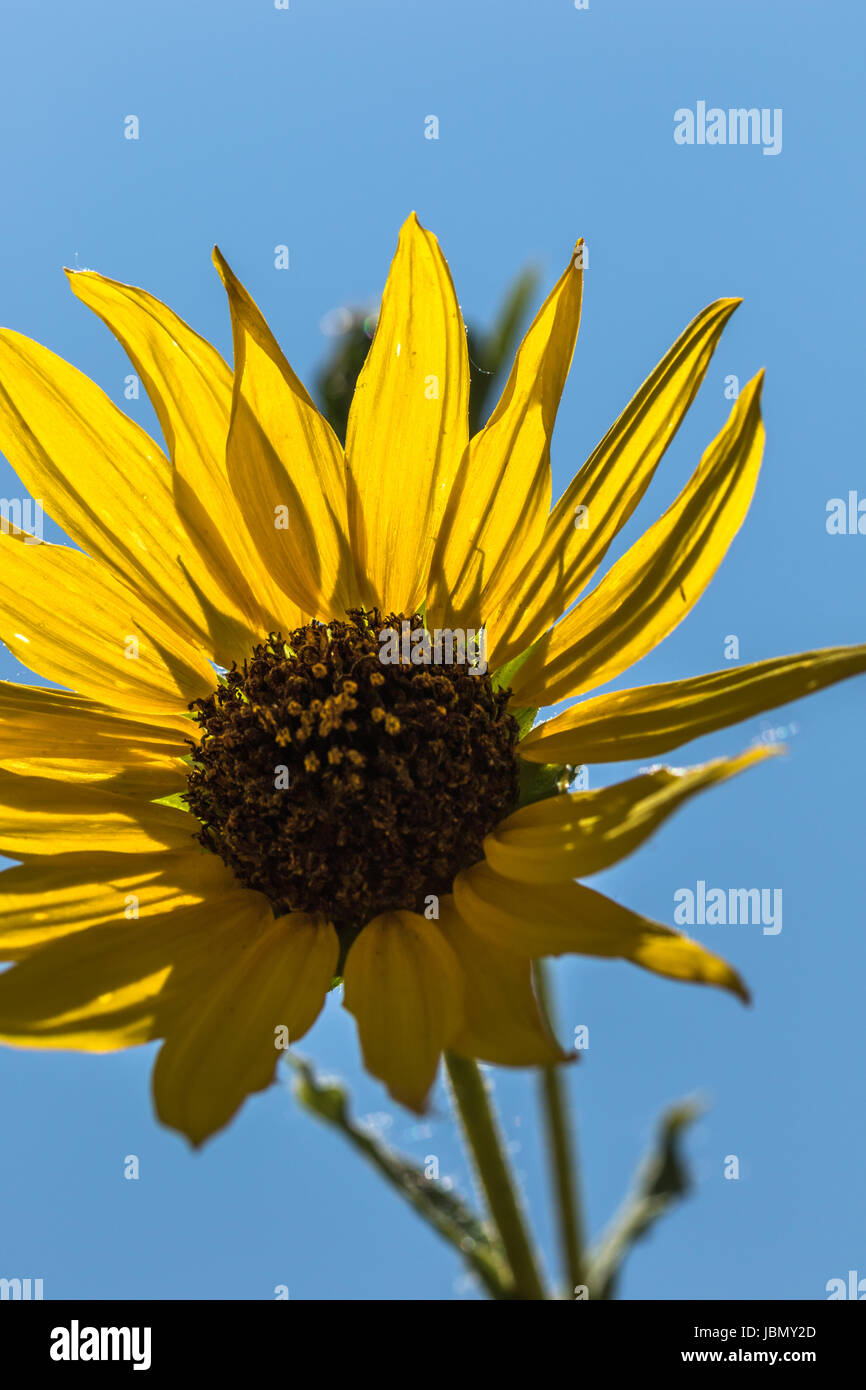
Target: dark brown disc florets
(334, 781)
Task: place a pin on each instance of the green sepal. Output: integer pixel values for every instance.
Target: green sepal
(503, 676)
(525, 720)
(177, 800)
(538, 781)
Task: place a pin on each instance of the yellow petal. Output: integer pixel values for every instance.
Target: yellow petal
(286, 465)
(41, 816)
(408, 423)
(115, 986)
(404, 987)
(502, 1022)
(581, 833)
(190, 387)
(227, 1043)
(106, 483)
(652, 719)
(66, 617)
(659, 580)
(52, 733)
(35, 709)
(44, 900)
(500, 501)
(608, 486)
(568, 918)
(146, 781)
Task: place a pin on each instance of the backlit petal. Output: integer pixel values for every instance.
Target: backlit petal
(66, 617)
(190, 387)
(606, 490)
(52, 733)
(581, 833)
(39, 815)
(659, 580)
(270, 986)
(500, 501)
(408, 423)
(404, 987)
(115, 986)
(569, 918)
(286, 467)
(652, 719)
(108, 485)
(502, 1021)
(44, 900)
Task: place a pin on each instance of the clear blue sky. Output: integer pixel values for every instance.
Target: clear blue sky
(306, 128)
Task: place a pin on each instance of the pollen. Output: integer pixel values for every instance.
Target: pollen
(396, 772)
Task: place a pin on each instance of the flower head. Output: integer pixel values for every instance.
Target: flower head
(295, 736)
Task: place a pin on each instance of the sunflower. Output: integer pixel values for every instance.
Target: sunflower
(235, 799)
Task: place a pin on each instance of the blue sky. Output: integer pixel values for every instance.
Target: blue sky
(261, 127)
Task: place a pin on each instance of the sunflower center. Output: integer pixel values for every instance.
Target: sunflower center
(354, 767)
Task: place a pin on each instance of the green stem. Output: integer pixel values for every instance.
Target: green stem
(479, 1124)
(561, 1147)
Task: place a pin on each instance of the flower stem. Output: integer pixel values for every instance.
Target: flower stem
(485, 1144)
(561, 1146)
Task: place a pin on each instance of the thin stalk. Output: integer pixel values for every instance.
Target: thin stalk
(485, 1144)
(562, 1148)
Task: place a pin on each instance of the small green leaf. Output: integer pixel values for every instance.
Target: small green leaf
(444, 1211)
(661, 1181)
(501, 679)
(525, 720)
(177, 799)
(538, 781)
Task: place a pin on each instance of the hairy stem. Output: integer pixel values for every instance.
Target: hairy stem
(485, 1144)
(562, 1149)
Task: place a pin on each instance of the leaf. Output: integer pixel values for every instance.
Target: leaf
(177, 799)
(538, 781)
(525, 720)
(661, 1181)
(444, 1211)
(501, 679)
